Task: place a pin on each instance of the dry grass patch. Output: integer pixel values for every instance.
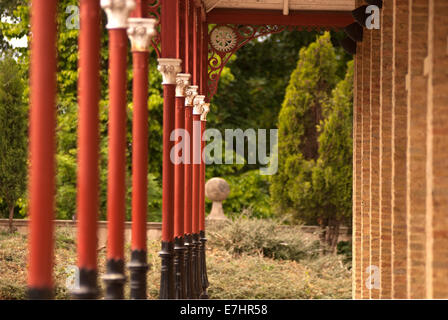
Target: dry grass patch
(232, 275)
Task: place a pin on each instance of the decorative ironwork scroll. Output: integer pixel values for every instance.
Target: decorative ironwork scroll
(154, 11)
(225, 40)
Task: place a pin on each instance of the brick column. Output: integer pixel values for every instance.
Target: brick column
(436, 66)
(416, 149)
(357, 145)
(365, 217)
(385, 150)
(399, 143)
(375, 62)
(365, 184)
(357, 148)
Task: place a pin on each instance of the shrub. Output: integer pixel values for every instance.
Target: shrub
(265, 237)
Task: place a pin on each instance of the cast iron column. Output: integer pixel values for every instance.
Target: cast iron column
(42, 148)
(204, 278)
(140, 32)
(197, 111)
(169, 69)
(179, 158)
(191, 94)
(88, 148)
(117, 14)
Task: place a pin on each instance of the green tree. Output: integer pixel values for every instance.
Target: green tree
(13, 135)
(332, 176)
(309, 89)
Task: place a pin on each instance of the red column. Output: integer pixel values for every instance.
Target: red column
(197, 111)
(169, 67)
(196, 257)
(116, 182)
(179, 167)
(139, 150)
(140, 31)
(182, 83)
(42, 147)
(179, 171)
(191, 93)
(88, 148)
(202, 179)
(203, 239)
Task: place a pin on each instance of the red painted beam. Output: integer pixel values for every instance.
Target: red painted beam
(324, 19)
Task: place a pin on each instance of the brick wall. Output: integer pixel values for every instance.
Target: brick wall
(416, 85)
(400, 154)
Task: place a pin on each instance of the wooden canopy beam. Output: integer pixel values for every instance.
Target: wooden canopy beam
(324, 19)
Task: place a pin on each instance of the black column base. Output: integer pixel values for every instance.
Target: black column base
(167, 271)
(138, 268)
(204, 277)
(179, 268)
(114, 279)
(196, 267)
(88, 285)
(188, 242)
(39, 294)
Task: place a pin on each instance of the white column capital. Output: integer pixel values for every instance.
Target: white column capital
(169, 68)
(182, 83)
(198, 102)
(140, 32)
(117, 12)
(205, 111)
(190, 93)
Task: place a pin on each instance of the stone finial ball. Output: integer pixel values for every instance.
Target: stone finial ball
(217, 189)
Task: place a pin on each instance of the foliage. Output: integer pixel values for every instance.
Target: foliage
(266, 237)
(332, 176)
(13, 134)
(315, 148)
(309, 88)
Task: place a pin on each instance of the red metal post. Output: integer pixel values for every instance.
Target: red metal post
(191, 93)
(140, 31)
(197, 111)
(116, 193)
(42, 148)
(169, 67)
(203, 239)
(179, 194)
(182, 83)
(88, 148)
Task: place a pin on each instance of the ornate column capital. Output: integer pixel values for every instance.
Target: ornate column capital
(198, 102)
(190, 94)
(205, 111)
(140, 32)
(169, 68)
(182, 83)
(117, 12)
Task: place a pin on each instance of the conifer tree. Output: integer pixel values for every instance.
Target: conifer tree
(13, 135)
(332, 175)
(309, 89)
